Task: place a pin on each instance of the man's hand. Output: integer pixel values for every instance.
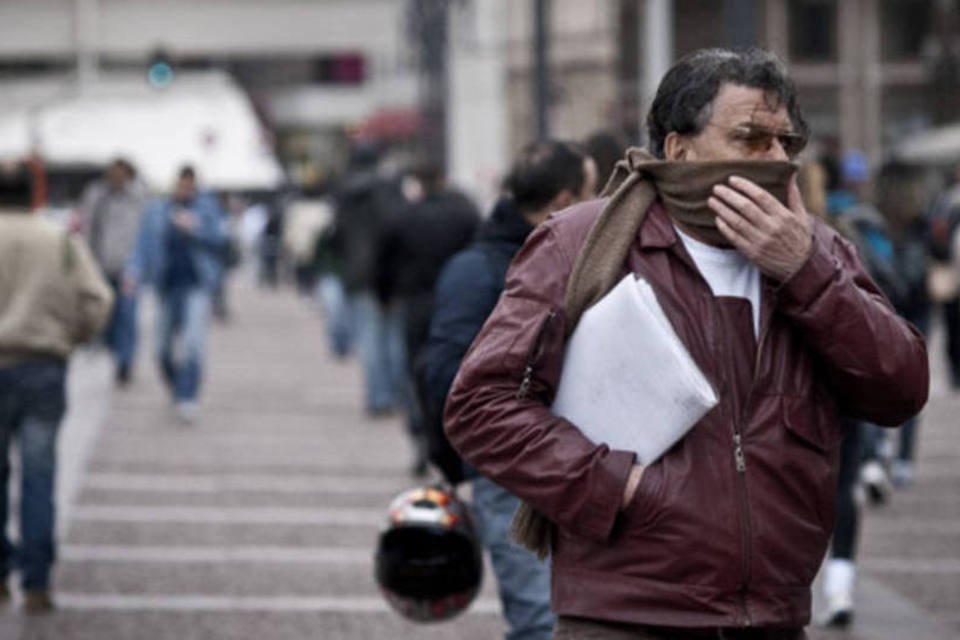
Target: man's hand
(633, 481)
(185, 221)
(775, 238)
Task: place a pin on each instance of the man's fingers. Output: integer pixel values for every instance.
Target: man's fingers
(794, 198)
(742, 204)
(735, 219)
(763, 198)
(733, 237)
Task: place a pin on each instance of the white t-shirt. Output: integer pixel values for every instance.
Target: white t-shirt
(727, 271)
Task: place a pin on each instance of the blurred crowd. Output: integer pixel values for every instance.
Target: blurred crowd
(406, 268)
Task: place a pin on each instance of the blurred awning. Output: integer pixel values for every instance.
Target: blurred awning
(933, 146)
(204, 120)
(389, 123)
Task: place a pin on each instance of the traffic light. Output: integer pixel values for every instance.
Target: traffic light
(160, 70)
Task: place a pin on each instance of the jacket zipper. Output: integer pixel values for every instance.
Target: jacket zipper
(741, 466)
(533, 357)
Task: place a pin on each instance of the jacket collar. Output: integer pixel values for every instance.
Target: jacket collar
(657, 230)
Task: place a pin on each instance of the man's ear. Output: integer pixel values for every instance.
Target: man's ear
(674, 147)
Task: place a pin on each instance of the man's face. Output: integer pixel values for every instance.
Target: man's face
(742, 126)
(185, 190)
(116, 176)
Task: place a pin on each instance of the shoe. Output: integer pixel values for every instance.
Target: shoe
(4, 593)
(37, 602)
(839, 578)
(123, 375)
(876, 483)
(381, 412)
(902, 474)
(839, 613)
(187, 412)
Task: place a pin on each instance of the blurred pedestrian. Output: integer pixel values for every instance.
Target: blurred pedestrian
(722, 534)
(270, 245)
(364, 202)
(901, 197)
(180, 253)
(304, 222)
(52, 298)
(547, 176)
(110, 211)
(413, 247)
(889, 234)
(605, 148)
(943, 219)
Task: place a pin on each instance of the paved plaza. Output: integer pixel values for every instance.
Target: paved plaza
(259, 521)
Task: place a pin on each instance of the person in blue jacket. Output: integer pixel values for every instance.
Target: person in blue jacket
(179, 253)
(547, 176)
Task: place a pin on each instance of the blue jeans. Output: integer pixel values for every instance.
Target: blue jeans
(184, 317)
(522, 580)
(32, 403)
(337, 313)
(121, 334)
(382, 352)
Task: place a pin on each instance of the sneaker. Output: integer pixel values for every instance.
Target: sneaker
(839, 578)
(902, 474)
(36, 602)
(187, 412)
(876, 483)
(839, 613)
(123, 375)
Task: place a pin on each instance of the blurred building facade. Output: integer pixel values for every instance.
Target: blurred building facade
(869, 71)
(315, 69)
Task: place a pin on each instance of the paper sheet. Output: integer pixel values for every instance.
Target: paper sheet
(628, 381)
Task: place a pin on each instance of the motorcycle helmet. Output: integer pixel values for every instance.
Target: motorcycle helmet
(429, 563)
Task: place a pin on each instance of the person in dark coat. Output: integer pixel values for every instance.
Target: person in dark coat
(413, 246)
(364, 202)
(547, 177)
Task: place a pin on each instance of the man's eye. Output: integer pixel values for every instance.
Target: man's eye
(753, 135)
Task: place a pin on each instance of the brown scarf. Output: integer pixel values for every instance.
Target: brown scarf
(637, 181)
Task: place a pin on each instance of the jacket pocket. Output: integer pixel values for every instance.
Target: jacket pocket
(646, 504)
(811, 422)
(811, 449)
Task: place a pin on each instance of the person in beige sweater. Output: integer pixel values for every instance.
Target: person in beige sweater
(52, 298)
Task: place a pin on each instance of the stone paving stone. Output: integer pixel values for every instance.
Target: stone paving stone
(217, 534)
(110, 625)
(231, 499)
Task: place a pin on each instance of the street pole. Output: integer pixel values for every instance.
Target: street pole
(86, 16)
(740, 23)
(428, 23)
(541, 67)
(657, 47)
(944, 75)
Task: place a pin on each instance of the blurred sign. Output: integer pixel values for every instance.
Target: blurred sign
(202, 119)
(346, 69)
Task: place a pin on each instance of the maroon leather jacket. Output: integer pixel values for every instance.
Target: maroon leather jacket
(729, 527)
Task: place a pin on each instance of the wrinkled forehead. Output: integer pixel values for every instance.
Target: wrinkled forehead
(738, 105)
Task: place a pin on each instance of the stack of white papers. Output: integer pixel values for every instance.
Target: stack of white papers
(628, 381)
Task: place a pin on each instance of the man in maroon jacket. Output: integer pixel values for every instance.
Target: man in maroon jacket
(722, 535)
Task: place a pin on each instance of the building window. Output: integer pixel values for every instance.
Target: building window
(813, 30)
(904, 26)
